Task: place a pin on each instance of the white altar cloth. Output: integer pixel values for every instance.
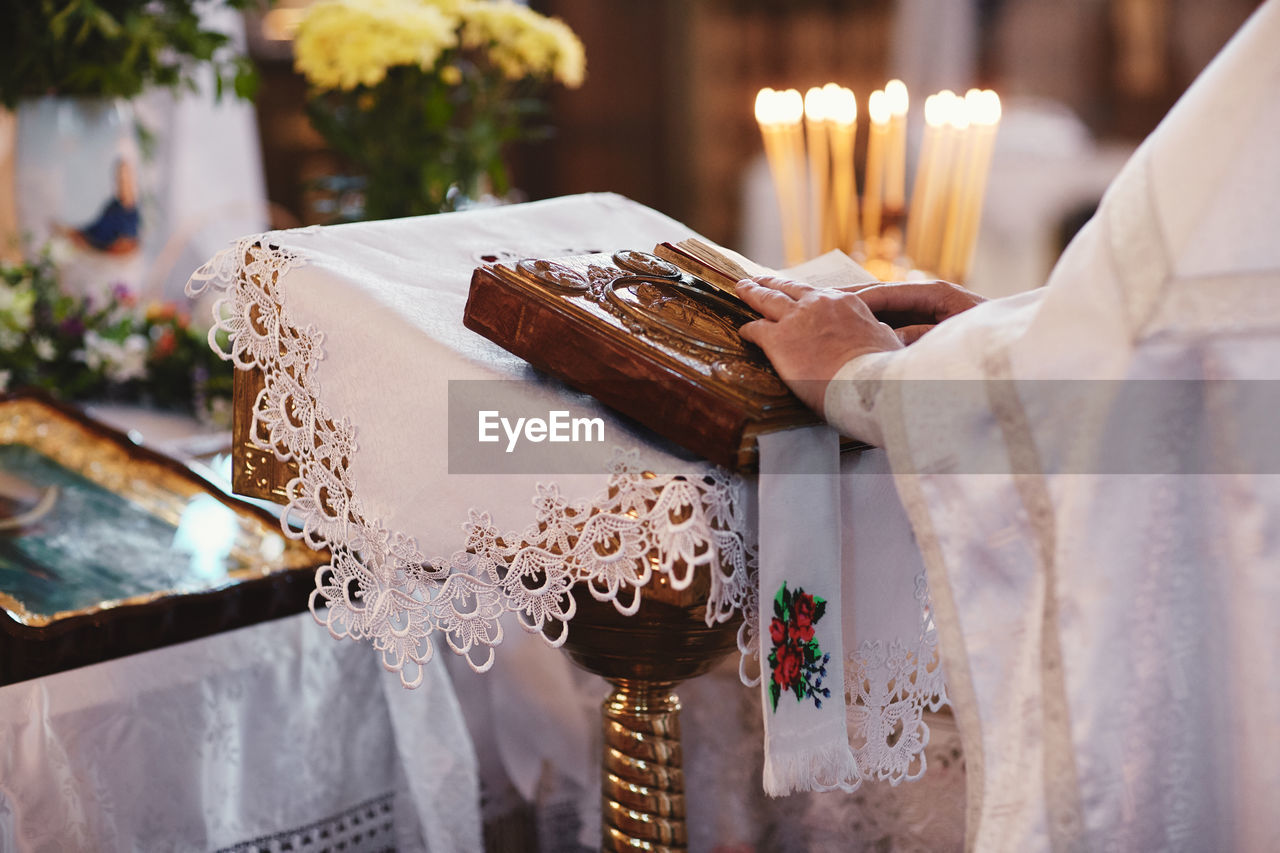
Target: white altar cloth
(359, 331)
(252, 739)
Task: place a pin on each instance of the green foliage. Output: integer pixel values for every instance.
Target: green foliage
(421, 143)
(113, 48)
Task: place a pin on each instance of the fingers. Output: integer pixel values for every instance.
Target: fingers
(858, 288)
(794, 289)
(907, 298)
(911, 334)
(754, 332)
(771, 302)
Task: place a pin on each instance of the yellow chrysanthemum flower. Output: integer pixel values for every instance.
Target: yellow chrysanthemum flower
(522, 43)
(342, 44)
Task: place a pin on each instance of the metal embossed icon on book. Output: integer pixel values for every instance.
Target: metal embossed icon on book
(647, 338)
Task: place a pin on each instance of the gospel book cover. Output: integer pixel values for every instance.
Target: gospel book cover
(653, 336)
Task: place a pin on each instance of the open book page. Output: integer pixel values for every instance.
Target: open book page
(724, 268)
(834, 269)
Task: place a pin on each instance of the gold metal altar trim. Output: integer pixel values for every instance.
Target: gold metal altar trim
(256, 471)
(23, 616)
(99, 458)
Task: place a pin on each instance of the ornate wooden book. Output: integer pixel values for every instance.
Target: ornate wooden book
(646, 339)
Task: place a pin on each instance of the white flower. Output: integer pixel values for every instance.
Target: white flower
(132, 363)
(45, 350)
(61, 250)
(17, 304)
(120, 361)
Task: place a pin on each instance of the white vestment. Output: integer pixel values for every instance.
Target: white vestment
(1105, 575)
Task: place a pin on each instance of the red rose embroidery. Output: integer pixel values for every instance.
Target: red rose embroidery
(804, 606)
(798, 663)
(798, 634)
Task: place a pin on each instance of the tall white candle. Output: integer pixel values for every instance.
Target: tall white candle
(790, 117)
(961, 157)
(816, 139)
(926, 164)
(895, 93)
(872, 196)
(842, 111)
(932, 221)
(767, 116)
(985, 118)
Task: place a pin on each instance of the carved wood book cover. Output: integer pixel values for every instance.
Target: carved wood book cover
(645, 338)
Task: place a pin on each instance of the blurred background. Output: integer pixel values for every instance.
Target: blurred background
(665, 115)
(138, 139)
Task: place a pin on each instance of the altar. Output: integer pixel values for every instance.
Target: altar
(349, 345)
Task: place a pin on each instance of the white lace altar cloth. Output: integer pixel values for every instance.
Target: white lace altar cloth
(358, 331)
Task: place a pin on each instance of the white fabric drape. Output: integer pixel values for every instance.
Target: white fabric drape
(1103, 574)
(271, 733)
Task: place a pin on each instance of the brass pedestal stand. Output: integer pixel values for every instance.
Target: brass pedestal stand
(644, 656)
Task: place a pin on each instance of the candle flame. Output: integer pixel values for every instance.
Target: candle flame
(982, 107)
(764, 106)
(817, 105)
(878, 107)
(895, 92)
(959, 118)
(992, 106)
(790, 107)
(842, 106)
(936, 110)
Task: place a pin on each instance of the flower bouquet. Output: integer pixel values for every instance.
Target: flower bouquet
(80, 348)
(421, 96)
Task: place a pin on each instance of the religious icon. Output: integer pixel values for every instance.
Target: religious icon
(115, 229)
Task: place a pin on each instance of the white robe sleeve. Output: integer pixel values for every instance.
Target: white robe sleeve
(1102, 570)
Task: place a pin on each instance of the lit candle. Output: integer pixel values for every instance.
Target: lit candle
(878, 110)
(985, 122)
(925, 163)
(895, 180)
(961, 154)
(767, 115)
(790, 116)
(815, 127)
(929, 196)
(842, 114)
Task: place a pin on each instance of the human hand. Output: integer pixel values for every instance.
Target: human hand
(809, 333)
(914, 307)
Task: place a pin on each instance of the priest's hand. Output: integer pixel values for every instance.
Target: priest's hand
(809, 333)
(914, 307)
